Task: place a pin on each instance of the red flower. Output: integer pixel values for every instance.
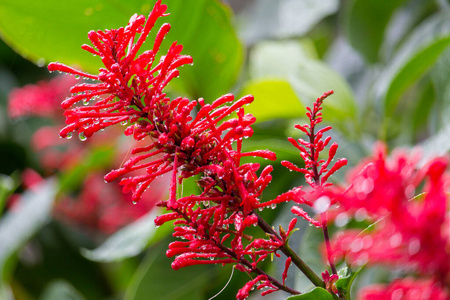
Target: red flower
(410, 232)
(405, 289)
(316, 170)
(41, 99)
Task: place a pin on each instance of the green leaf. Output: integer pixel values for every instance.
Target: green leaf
(60, 289)
(308, 77)
(127, 242)
(346, 277)
(317, 293)
(267, 95)
(51, 30)
(18, 225)
(155, 277)
(366, 21)
(416, 55)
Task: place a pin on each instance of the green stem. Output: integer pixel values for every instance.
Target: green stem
(287, 250)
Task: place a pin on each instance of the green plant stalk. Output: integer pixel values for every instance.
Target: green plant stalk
(287, 250)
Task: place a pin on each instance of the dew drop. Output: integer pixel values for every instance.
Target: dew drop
(77, 77)
(124, 123)
(86, 101)
(82, 137)
(134, 202)
(40, 62)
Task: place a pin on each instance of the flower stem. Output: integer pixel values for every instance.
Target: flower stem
(327, 243)
(287, 250)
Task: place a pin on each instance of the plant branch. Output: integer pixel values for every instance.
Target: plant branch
(287, 250)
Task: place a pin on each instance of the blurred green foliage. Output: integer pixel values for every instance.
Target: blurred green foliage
(387, 61)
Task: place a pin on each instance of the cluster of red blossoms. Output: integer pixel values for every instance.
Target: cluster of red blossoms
(130, 89)
(194, 139)
(410, 233)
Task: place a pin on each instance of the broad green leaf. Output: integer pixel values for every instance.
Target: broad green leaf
(18, 225)
(345, 281)
(366, 21)
(60, 289)
(127, 242)
(416, 55)
(317, 293)
(157, 279)
(269, 93)
(308, 77)
(51, 30)
(283, 18)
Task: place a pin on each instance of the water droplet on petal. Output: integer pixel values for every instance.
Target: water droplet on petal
(69, 135)
(82, 137)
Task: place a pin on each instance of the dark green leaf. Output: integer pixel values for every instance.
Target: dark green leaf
(51, 30)
(317, 293)
(366, 22)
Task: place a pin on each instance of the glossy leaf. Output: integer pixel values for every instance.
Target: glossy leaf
(273, 99)
(307, 76)
(127, 242)
(31, 213)
(317, 293)
(366, 21)
(345, 281)
(51, 30)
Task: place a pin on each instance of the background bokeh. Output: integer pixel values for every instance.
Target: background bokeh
(64, 234)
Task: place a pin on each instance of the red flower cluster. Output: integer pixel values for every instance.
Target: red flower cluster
(208, 146)
(410, 232)
(406, 289)
(316, 170)
(41, 99)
